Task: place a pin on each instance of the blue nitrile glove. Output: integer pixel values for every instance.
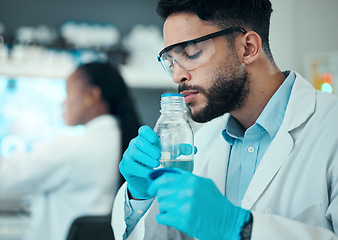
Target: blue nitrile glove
(182, 149)
(196, 207)
(138, 160)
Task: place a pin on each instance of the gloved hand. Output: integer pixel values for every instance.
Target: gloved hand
(196, 207)
(138, 160)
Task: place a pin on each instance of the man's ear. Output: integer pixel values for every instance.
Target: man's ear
(251, 43)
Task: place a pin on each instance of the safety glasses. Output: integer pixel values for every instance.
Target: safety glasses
(192, 53)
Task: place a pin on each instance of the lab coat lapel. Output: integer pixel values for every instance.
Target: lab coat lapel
(218, 163)
(270, 164)
(301, 106)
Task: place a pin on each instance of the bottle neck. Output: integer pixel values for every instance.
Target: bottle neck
(173, 105)
(172, 108)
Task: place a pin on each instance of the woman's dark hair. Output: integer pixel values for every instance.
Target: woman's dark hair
(116, 95)
(249, 14)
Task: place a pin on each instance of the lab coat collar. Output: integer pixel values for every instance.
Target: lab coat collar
(301, 106)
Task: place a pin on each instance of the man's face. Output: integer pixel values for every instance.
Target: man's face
(75, 106)
(218, 86)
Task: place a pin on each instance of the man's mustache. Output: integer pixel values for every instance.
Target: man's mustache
(186, 87)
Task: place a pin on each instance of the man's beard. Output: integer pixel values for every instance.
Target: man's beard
(228, 93)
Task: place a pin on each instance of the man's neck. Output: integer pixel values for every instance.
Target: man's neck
(263, 84)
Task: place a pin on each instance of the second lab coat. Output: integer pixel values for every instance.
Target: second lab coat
(67, 177)
(294, 191)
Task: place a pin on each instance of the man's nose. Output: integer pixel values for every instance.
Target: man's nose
(180, 74)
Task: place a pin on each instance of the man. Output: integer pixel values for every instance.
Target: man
(76, 175)
(267, 169)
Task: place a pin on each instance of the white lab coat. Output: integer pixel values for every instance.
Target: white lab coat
(294, 191)
(68, 177)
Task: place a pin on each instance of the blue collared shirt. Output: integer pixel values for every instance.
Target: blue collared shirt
(248, 146)
(133, 211)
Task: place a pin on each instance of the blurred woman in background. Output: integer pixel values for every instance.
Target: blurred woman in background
(72, 176)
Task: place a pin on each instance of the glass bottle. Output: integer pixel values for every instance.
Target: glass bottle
(175, 133)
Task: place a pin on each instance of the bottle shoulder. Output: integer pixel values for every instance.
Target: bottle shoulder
(169, 122)
(173, 119)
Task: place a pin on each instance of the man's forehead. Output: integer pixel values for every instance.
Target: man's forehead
(182, 27)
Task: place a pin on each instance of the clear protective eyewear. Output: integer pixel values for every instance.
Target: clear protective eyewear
(192, 53)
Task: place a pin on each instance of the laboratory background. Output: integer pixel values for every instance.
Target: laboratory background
(42, 42)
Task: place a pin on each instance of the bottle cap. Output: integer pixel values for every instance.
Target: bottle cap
(172, 95)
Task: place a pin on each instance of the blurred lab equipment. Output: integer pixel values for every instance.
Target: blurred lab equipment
(322, 70)
(40, 35)
(30, 110)
(2, 31)
(90, 35)
(141, 64)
